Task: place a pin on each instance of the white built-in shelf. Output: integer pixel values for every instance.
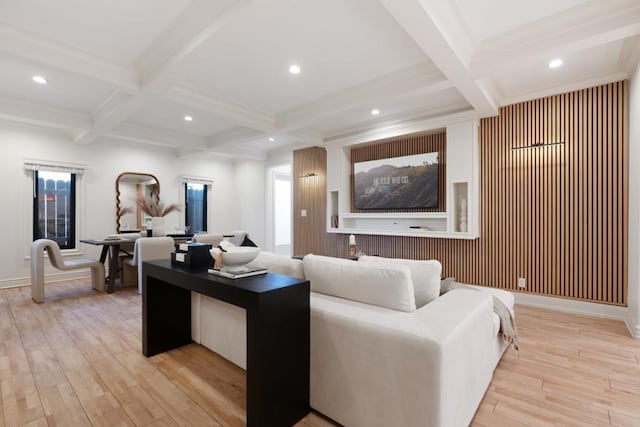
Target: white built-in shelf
(391, 215)
(417, 224)
(405, 232)
(460, 221)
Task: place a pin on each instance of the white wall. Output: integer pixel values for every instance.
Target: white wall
(633, 320)
(237, 198)
(250, 198)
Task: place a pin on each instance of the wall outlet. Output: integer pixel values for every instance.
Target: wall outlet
(303, 213)
(522, 282)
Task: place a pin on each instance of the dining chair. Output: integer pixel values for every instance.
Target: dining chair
(145, 249)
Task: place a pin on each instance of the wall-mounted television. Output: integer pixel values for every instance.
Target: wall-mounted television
(406, 182)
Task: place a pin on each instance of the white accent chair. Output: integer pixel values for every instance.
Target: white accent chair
(55, 257)
(212, 239)
(145, 249)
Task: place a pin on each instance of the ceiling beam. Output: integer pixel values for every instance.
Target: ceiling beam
(240, 136)
(308, 136)
(138, 133)
(39, 50)
(593, 81)
(427, 25)
(160, 66)
(404, 127)
(242, 152)
(422, 78)
(629, 57)
(582, 27)
(36, 113)
(403, 120)
(235, 136)
(243, 116)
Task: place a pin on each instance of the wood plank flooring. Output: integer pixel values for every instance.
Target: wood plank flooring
(76, 360)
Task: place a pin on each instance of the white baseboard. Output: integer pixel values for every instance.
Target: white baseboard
(51, 277)
(634, 328)
(605, 311)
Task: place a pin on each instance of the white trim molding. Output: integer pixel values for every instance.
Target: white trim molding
(48, 278)
(604, 311)
(184, 179)
(634, 329)
(53, 166)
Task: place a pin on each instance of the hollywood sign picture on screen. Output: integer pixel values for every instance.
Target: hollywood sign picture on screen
(407, 182)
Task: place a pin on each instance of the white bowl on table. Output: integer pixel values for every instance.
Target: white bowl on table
(235, 258)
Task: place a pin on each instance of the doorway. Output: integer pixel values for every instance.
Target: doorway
(281, 184)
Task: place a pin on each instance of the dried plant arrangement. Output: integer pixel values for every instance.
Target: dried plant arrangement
(154, 207)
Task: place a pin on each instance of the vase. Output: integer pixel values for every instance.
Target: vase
(463, 215)
(157, 225)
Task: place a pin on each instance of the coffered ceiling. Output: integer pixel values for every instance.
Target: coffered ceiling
(133, 70)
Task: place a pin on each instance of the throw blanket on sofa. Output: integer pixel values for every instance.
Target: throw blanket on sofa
(508, 329)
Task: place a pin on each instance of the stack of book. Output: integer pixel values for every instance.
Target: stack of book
(239, 274)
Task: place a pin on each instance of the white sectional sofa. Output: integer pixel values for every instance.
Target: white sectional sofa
(377, 359)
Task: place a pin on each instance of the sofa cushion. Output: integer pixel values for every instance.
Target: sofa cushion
(425, 275)
(279, 264)
(387, 286)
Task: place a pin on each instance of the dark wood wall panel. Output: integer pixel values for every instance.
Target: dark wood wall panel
(406, 146)
(310, 194)
(554, 215)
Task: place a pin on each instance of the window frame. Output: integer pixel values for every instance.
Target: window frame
(74, 211)
(205, 204)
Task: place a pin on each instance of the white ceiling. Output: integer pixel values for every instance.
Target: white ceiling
(132, 70)
(116, 30)
(489, 18)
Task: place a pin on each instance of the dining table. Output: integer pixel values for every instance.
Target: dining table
(112, 249)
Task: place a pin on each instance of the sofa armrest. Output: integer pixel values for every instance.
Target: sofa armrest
(374, 366)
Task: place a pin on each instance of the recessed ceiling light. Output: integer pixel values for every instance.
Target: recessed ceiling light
(294, 69)
(39, 79)
(188, 118)
(375, 112)
(555, 63)
(271, 139)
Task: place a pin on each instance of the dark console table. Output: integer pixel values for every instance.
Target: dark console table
(277, 332)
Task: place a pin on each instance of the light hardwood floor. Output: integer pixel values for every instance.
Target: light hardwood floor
(76, 360)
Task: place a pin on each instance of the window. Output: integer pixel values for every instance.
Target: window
(195, 212)
(54, 207)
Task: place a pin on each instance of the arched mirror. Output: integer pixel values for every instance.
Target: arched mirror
(128, 186)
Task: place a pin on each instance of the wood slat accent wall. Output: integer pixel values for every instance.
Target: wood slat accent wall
(406, 146)
(310, 194)
(555, 215)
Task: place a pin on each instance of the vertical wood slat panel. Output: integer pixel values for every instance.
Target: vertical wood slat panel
(310, 194)
(555, 215)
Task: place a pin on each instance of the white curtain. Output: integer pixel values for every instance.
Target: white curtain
(54, 166)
